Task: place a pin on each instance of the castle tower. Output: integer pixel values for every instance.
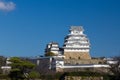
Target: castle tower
(53, 47)
(76, 44)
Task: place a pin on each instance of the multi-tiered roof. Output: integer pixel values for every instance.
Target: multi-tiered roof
(52, 47)
(76, 40)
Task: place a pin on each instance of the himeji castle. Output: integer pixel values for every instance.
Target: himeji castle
(76, 44)
(74, 55)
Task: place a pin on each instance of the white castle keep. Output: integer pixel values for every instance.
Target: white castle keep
(76, 44)
(76, 41)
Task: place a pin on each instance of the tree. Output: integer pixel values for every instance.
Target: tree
(115, 68)
(20, 68)
(2, 62)
(50, 54)
(33, 75)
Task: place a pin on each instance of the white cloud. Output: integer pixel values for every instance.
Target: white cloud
(6, 6)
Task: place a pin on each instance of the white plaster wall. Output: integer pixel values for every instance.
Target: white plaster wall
(69, 50)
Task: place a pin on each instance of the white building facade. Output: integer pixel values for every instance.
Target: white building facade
(76, 43)
(53, 47)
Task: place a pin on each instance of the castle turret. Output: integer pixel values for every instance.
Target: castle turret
(53, 47)
(76, 44)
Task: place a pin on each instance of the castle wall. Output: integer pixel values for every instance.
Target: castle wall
(84, 61)
(77, 55)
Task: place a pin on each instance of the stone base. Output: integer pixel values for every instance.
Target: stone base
(76, 55)
(84, 61)
(59, 70)
(84, 78)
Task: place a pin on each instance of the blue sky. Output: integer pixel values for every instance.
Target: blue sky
(26, 26)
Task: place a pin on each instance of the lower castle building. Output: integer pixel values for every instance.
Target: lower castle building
(53, 47)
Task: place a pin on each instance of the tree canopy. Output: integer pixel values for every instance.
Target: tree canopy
(50, 54)
(20, 67)
(33, 75)
(2, 62)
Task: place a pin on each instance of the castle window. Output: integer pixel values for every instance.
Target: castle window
(99, 62)
(69, 57)
(76, 63)
(78, 57)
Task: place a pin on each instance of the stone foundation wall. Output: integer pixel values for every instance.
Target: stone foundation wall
(77, 55)
(59, 70)
(83, 78)
(84, 61)
(99, 70)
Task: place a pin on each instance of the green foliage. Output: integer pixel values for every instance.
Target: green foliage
(50, 54)
(2, 62)
(20, 67)
(89, 74)
(116, 70)
(15, 70)
(3, 76)
(58, 75)
(34, 75)
(21, 64)
(52, 76)
(15, 74)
